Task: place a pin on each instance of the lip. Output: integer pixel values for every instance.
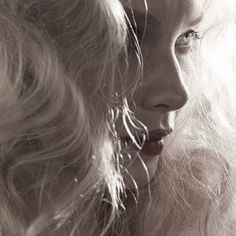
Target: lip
(158, 134)
(153, 148)
(154, 143)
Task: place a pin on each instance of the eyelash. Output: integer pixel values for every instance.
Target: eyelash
(187, 39)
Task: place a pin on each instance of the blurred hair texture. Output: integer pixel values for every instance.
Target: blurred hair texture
(57, 80)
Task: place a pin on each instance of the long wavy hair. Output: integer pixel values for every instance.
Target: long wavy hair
(62, 86)
(58, 64)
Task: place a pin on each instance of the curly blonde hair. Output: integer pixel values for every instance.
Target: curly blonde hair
(63, 66)
(57, 69)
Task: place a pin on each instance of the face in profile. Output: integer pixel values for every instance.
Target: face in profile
(171, 35)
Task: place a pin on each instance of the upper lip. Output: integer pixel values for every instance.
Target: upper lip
(156, 135)
(152, 135)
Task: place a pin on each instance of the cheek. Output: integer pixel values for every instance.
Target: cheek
(132, 78)
(186, 66)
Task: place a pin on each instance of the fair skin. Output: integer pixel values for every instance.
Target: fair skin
(171, 35)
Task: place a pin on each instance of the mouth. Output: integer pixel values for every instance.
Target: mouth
(151, 144)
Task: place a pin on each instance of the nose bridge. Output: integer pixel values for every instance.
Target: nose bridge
(165, 85)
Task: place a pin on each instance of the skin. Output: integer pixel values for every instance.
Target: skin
(163, 91)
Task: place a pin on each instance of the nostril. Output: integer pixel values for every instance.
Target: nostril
(161, 105)
(168, 102)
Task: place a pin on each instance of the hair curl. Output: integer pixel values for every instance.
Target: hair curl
(55, 125)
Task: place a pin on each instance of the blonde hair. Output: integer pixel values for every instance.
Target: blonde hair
(63, 66)
(57, 65)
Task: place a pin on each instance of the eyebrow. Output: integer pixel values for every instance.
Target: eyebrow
(198, 20)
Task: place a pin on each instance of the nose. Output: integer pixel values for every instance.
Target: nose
(163, 85)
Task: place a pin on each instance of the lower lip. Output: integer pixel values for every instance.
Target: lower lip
(150, 148)
(153, 148)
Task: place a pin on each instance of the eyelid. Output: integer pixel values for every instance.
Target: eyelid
(188, 43)
(196, 35)
(192, 30)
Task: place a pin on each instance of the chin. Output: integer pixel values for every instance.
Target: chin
(140, 171)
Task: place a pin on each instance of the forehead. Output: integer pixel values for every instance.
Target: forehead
(167, 4)
(175, 9)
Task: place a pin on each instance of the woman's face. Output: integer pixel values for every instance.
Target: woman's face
(171, 36)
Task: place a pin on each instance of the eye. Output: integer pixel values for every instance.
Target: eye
(186, 41)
